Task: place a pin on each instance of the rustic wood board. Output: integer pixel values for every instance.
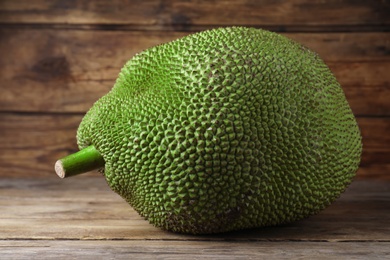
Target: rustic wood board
(81, 216)
(85, 208)
(189, 15)
(47, 70)
(59, 57)
(163, 249)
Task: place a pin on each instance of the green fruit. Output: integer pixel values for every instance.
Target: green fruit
(223, 130)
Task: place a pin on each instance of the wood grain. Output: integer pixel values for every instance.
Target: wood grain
(84, 208)
(47, 249)
(58, 57)
(31, 143)
(68, 70)
(82, 218)
(190, 15)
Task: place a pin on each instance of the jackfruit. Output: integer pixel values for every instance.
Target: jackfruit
(225, 129)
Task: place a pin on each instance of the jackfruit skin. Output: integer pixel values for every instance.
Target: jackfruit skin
(226, 129)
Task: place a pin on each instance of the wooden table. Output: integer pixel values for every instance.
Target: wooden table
(82, 218)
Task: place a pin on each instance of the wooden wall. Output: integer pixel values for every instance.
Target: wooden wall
(57, 57)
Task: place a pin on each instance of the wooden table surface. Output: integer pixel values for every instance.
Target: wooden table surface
(80, 217)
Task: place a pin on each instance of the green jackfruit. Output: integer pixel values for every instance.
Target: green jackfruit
(225, 129)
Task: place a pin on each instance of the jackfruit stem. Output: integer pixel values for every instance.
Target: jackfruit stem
(83, 161)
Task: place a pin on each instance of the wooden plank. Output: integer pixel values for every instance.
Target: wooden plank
(366, 86)
(187, 15)
(31, 143)
(375, 158)
(84, 208)
(67, 71)
(192, 250)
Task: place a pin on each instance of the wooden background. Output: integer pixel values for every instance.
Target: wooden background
(58, 57)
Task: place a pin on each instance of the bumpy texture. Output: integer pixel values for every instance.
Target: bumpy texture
(225, 129)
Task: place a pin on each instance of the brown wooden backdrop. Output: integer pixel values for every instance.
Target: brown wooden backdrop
(57, 57)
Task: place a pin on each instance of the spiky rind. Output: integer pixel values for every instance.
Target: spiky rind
(225, 129)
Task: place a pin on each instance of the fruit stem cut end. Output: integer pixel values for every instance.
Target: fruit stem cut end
(83, 161)
(59, 169)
